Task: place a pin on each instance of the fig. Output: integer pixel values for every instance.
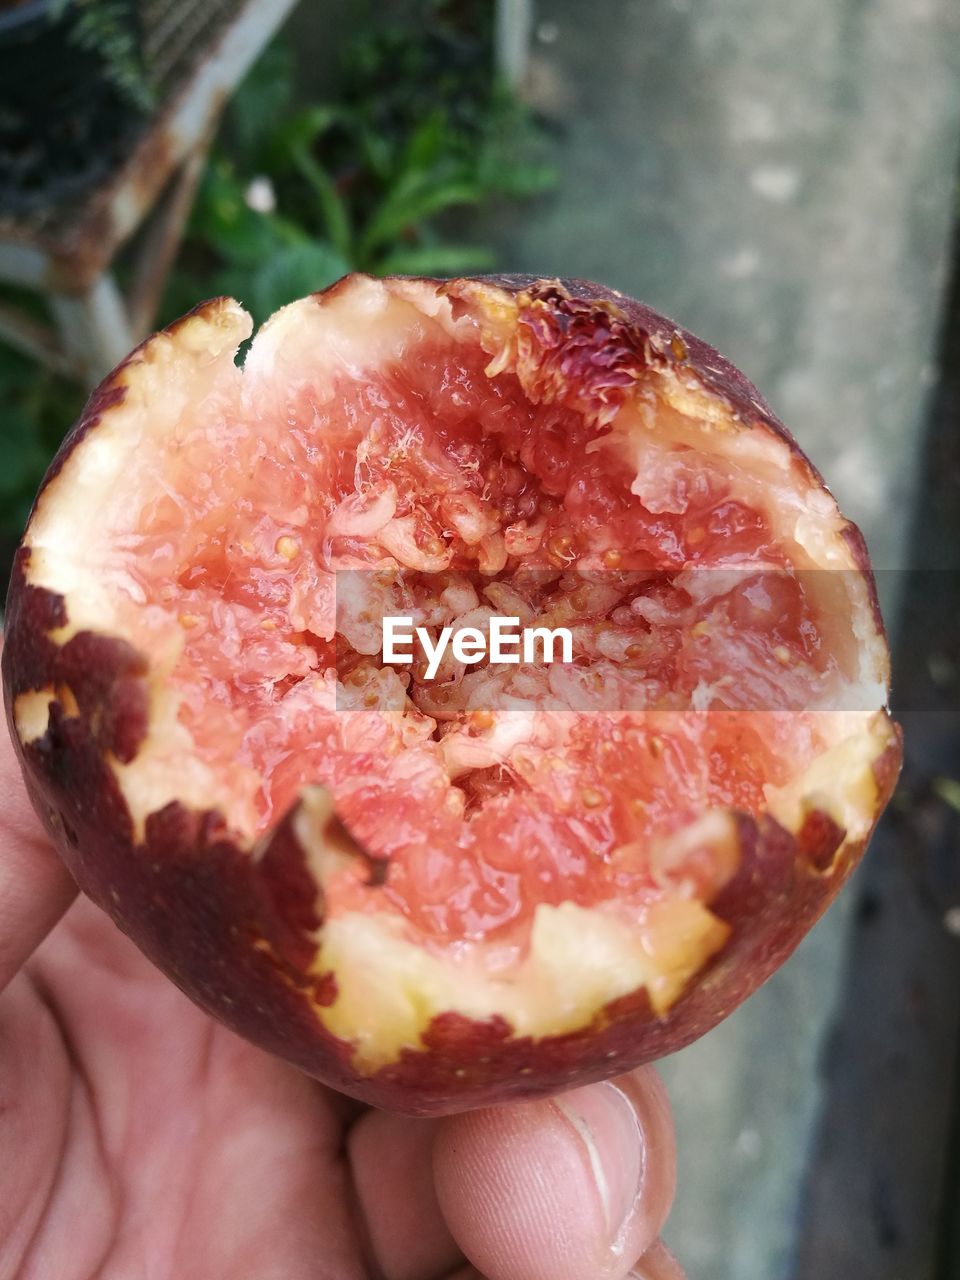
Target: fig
(436, 893)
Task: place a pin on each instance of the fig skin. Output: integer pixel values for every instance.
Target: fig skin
(236, 933)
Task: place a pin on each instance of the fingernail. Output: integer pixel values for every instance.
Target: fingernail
(658, 1263)
(607, 1125)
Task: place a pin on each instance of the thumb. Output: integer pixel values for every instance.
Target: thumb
(574, 1187)
(35, 887)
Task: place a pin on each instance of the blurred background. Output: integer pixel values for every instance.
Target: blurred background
(780, 178)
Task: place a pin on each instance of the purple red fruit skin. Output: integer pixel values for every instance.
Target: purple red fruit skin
(236, 933)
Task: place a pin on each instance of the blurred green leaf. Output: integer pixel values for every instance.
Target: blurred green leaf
(23, 455)
(16, 372)
(37, 410)
(415, 197)
(520, 182)
(290, 273)
(948, 789)
(262, 103)
(377, 152)
(303, 129)
(426, 145)
(437, 260)
(333, 210)
(107, 28)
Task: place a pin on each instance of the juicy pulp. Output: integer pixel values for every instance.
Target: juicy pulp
(481, 795)
(528, 844)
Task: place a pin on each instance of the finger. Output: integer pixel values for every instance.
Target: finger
(658, 1263)
(35, 887)
(391, 1159)
(570, 1188)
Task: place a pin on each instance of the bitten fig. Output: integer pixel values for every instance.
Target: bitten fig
(438, 893)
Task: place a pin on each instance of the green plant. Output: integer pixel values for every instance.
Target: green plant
(369, 181)
(106, 28)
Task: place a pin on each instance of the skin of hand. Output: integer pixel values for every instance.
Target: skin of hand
(140, 1140)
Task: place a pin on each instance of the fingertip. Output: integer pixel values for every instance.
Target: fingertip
(567, 1188)
(651, 1103)
(658, 1263)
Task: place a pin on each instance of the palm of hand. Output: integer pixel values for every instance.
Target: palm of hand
(150, 1140)
(140, 1140)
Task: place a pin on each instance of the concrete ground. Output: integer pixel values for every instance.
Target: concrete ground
(780, 178)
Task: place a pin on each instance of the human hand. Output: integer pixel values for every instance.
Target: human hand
(141, 1140)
